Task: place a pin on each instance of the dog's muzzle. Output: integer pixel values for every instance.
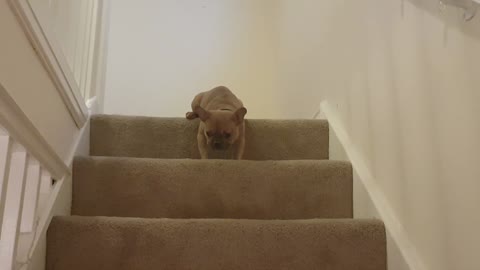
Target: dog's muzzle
(219, 144)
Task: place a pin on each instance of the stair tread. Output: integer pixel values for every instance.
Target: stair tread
(157, 137)
(105, 243)
(156, 188)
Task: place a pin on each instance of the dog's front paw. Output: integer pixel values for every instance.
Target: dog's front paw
(191, 115)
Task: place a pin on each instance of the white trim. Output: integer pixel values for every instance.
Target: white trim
(91, 45)
(382, 205)
(23, 131)
(99, 71)
(53, 60)
(92, 105)
(319, 114)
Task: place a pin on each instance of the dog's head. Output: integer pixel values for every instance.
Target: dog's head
(222, 128)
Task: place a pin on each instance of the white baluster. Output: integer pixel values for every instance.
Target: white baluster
(29, 215)
(45, 190)
(13, 207)
(25, 242)
(5, 144)
(30, 202)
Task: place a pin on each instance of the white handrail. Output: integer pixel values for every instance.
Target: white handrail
(23, 131)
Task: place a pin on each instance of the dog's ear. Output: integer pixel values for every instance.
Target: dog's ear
(202, 113)
(239, 115)
(191, 115)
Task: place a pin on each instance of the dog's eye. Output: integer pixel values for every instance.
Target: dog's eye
(228, 135)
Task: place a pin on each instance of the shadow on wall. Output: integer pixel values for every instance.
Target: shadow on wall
(451, 16)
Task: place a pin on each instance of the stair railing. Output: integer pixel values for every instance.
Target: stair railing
(31, 173)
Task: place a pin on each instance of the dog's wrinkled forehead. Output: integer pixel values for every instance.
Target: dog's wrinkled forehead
(221, 121)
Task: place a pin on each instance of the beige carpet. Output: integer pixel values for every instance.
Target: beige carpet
(287, 207)
(212, 189)
(79, 243)
(149, 137)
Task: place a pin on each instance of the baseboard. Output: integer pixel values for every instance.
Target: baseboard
(398, 238)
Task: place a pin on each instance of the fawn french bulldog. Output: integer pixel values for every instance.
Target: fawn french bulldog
(222, 123)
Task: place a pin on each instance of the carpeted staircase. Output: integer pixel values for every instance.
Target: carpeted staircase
(144, 201)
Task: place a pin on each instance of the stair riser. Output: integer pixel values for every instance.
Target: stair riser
(153, 188)
(175, 138)
(110, 244)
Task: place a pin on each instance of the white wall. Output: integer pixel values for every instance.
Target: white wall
(161, 53)
(403, 77)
